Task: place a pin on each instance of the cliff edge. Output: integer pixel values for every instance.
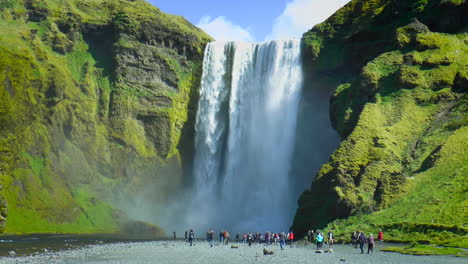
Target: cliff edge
(399, 74)
(97, 110)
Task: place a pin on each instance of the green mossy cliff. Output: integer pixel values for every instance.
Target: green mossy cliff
(399, 71)
(97, 103)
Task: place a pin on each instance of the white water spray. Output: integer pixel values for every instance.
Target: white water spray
(245, 133)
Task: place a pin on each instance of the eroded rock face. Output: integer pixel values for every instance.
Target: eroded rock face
(397, 105)
(95, 111)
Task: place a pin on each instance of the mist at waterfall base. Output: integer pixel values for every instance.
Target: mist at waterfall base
(246, 175)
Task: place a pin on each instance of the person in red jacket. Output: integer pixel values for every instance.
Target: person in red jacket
(380, 237)
(290, 237)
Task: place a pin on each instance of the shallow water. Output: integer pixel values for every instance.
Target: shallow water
(99, 250)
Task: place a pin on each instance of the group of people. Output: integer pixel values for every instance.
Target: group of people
(246, 238)
(317, 237)
(359, 238)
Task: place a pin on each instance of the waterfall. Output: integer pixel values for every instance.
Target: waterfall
(245, 134)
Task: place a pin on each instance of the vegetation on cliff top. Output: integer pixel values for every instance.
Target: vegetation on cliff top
(401, 108)
(97, 97)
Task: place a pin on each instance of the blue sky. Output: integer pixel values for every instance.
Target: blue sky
(252, 20)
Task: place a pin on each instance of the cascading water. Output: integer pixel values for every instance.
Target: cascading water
(245, 133)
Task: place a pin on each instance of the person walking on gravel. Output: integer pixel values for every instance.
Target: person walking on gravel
(319, 240)
(330, 238)
(226, 237)
(370, 244)
(361, 240)
(282, 240)
(210, 237)
(191, 236)
(354, 239)
(380, 237)
(250, 238)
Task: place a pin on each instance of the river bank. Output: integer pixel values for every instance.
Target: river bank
(100, 251)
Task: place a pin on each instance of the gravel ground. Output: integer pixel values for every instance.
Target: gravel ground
(180, 252)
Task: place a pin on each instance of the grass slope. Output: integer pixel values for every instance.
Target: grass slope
(402, 112)
(63, 154)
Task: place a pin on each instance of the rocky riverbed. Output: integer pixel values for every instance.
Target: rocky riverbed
(181, 252)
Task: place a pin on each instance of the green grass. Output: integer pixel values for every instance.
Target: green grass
(424, 250)
(401, 112)
(65, 148)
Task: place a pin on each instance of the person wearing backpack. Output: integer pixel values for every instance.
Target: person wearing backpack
(362, 240)
(370, 243)
(319, 240)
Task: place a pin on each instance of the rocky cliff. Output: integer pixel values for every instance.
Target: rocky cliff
(399, 71)
(96, 113)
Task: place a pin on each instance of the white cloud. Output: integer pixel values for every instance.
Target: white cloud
(301, 15)
(222, 29)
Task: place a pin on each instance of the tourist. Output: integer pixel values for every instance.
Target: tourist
(290, 237)
(237, 238)
(250, 238)
(380, 237)
(226, 237)
(191, 236)
(221, 236)
(282, 238)
(361, 240)
(370, 244)
(244, 238)
(354, 239)
(186, 236)
(330, 238)
(319, 239)
(210, 237)
(310, 235)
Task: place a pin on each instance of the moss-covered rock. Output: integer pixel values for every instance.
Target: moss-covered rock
(95, 98)
(401, 102)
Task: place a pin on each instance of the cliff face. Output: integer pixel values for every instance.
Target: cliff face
(97, 107)
(399, 72)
